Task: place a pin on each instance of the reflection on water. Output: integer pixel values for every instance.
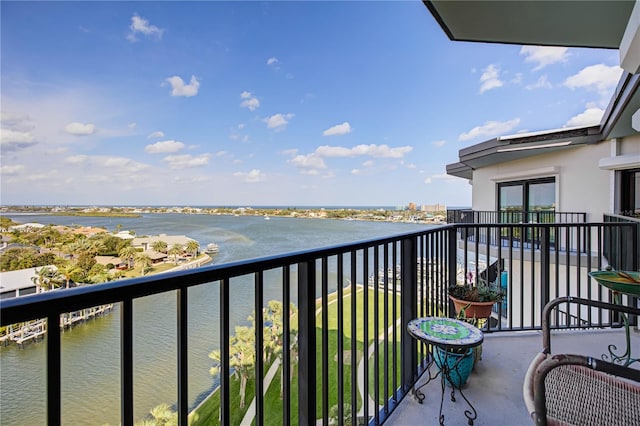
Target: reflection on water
(91, 351)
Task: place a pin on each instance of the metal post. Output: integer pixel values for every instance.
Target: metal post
(545, 266)
(306, 344)
(409, 257)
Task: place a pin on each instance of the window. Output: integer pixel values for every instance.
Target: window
(527, 200)
(630, 192)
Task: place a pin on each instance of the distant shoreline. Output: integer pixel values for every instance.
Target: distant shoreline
(434, 214)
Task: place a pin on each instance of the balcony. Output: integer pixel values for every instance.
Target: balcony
(405, 276)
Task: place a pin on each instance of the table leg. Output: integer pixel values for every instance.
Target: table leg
(417, 393)
(471, 413)
(624, 359)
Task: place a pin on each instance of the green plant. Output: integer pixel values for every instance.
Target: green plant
(477, 293)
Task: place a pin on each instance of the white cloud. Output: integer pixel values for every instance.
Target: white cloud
(80, 129)
(77, 159)
(250, 102)
(155, 135)
(589, 117)
(309, 161)
(273, 61)
(439, 143)
(253, 176)
(11, 170)
(164, 147)
(600, 78)
(373, 150)
(121, 163)
(489, 129)
(338, 129)
(368, 163)
(132, 126)
(278, 121)
(490, 78)
(356, 171)
(427, 180)
(13, 140)
(186, 161)
(542, 56)
(178, 88)
(141, 26)
(542, 83)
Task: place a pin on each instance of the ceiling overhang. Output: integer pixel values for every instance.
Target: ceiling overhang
(574, 23)
(516, 147)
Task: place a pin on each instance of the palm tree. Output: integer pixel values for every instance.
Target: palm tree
(127, 254)
(68, 270)
(175, 251)
(144, 260)
(192, 247)
(159, 246)
(242, 357)
(47, 278)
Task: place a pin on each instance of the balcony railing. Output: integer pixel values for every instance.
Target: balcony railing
(375, 286)
(514, 216)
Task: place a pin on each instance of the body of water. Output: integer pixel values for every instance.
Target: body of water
(91, 351)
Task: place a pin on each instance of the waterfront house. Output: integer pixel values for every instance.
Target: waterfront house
(146, 243)
(427, 262)
(19, 282)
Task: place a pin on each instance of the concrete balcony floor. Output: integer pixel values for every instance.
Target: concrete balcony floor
(495, 386)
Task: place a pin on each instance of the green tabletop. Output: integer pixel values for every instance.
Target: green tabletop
(446, 332)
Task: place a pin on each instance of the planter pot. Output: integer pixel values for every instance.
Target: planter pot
(473, 309)
(458, 365)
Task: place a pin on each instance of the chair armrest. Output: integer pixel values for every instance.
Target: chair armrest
(549, 307)
(528, 387)
(575, 389)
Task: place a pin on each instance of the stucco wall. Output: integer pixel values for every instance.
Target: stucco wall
(581, 186)
(630, 145)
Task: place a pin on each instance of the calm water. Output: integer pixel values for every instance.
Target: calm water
(90, 352)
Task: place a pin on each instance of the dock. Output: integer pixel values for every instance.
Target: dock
(36, 330)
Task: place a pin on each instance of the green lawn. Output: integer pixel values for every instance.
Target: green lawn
(208, 412)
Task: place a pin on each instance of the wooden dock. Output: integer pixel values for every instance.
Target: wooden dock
(36, 330)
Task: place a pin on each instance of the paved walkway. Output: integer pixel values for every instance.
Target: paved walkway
(373, 407)
(251, 411)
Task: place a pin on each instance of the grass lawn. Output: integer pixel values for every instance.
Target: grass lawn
(208, 412)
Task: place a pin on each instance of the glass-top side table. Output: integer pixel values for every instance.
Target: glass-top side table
(451, 336)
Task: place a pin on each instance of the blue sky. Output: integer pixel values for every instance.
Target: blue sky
(266, 103)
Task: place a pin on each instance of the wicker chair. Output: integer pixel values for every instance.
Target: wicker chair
(567, 389)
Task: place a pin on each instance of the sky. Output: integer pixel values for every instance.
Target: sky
(311, 103)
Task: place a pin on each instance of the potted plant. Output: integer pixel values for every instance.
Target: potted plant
(475, 301)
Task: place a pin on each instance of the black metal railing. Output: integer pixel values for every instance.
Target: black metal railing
(372, 288)
(618, 247)
(513, 216)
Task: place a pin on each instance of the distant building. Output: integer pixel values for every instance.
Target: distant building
(433, 208)
(27, 227)
(19, 283)
(412, 206)
(146, 243)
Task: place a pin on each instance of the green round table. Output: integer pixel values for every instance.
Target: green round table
(448, 334)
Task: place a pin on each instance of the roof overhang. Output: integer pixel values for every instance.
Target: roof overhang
(516, 147)
(574, 23)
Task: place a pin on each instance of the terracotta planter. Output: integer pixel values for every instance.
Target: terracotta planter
(473, 309)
